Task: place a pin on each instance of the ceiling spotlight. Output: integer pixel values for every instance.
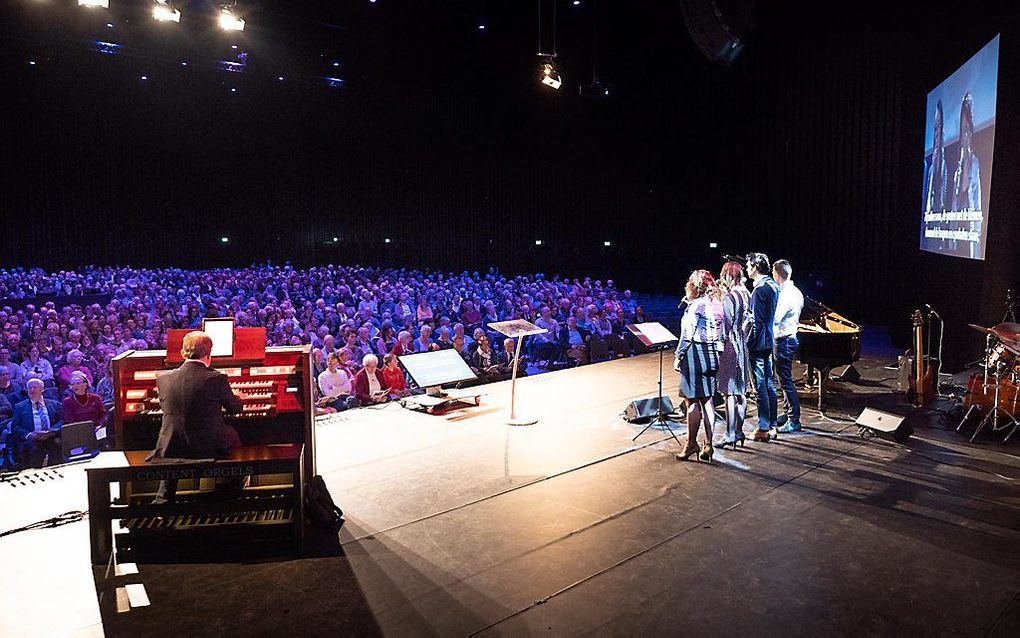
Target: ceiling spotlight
(163, 11)
(550, 76)
(230, 22)
(105, 4)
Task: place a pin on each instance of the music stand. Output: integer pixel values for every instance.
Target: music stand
(517, 329)
(655, 335)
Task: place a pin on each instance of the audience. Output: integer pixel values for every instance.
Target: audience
(352, 311)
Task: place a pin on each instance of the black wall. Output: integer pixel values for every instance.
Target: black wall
(809, 147)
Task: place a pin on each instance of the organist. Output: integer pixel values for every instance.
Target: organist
(192, 399)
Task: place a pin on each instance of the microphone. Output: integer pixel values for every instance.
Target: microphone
(932, 311)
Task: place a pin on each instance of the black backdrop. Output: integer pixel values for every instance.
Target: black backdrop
(809, 148)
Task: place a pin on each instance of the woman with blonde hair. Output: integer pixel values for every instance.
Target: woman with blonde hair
(733, 361)
(697, 359)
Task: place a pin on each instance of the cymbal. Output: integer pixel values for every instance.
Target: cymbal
(1007, 331)
(988, 331)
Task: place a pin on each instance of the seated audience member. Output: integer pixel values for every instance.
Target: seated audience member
(365, 338)
(35, 365)
(423, 312)
(476, 337)
(348, 366)
(507, 361)
(6, 412)
(545, 346)
(335, 385)
(574, 341)
(393, 376)
(6, 364)
(469, 315)
(484, 360)
(424, 341)
(404, 345)
(445, 340)
(386, 341)
(318, 362)
(458, 345)
(458, 331)
(82, 405)
(352, 348)
(105, 386)
(369, 387)
(35, 427)
(11, 390)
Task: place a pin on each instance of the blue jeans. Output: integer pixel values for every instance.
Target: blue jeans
(786, 350)
(765, 386)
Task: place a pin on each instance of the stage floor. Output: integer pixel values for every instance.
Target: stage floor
(461, 525)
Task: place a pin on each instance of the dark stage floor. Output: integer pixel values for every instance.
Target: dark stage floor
(461, 525)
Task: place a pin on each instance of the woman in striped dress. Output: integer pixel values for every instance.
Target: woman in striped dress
(697, 359)
(733, 362)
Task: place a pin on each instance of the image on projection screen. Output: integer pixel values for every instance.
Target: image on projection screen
(958, 145)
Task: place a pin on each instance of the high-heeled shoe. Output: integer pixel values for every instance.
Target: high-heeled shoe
(727, 441)
(740, 439)
(689, 450)
(707, 452)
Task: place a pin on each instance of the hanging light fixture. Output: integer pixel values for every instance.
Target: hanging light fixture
(163, 11)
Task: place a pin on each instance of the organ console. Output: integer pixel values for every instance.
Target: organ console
(273, 383)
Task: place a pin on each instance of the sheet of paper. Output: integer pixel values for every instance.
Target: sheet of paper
(136, 595)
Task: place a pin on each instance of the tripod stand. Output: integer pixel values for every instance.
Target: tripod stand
(993, 414)
(660, 418)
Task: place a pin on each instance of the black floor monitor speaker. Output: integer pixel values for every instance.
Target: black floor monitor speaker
(873, 422)
(643, 409)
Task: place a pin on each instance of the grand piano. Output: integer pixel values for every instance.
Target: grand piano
(827, 340)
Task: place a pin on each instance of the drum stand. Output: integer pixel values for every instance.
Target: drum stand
(993, 414)
(984, 382)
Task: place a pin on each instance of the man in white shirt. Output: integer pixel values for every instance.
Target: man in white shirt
(335, 385)
(788, 308)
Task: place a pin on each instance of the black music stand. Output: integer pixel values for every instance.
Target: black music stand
(656, 336)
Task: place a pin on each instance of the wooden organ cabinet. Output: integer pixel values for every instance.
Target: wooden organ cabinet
(274, 384)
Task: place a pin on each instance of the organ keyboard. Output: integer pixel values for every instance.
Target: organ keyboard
(274, 385)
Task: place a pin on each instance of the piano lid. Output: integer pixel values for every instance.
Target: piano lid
(817, 317)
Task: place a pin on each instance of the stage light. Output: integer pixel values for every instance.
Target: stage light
(224, 240)
(607, 243)
(233, 90)
(105, 4)
(163, 11)
(31, 62)
(184, 64)
(577, 2)
(713, 245)
(144, 77)
(279, 78)
(387, 240)
(550, 76)
(109, 25)
(336, 64)
(233, 46)
(229, 22)
(336, 239)
(538, 242)
(106, 48)
(481, 27)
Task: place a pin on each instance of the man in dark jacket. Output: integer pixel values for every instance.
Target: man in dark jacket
(193, 398)
(35, 427)
(764, 297)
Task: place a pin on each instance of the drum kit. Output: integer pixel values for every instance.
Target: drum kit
(996, 389)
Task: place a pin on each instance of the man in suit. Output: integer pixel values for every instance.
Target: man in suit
(764, 298)
(35, 427)
(193, 398)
